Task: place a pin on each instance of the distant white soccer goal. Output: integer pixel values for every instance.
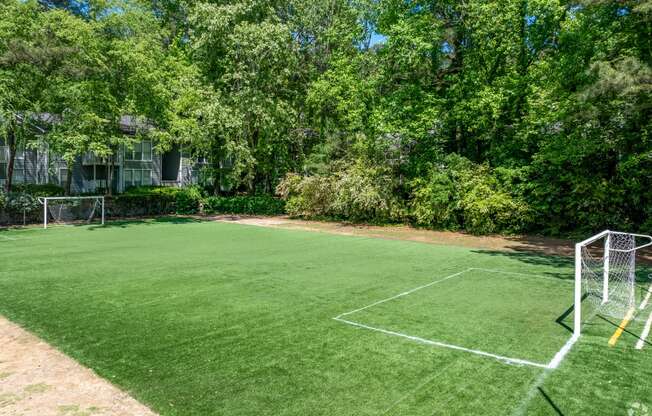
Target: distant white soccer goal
(72, 210)
(605, 274)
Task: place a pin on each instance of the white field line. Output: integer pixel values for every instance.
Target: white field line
(647, 298)
(419, 387)
(646, 331)
(506, 360)
(402, 294)
(553, 364)
(561, 354)
(522, 407)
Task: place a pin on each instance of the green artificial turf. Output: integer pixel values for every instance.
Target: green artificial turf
(511, 315)
(203, 318)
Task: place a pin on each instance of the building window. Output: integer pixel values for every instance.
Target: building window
(95, 172)
(19, 170)
(63, 176)
(137, 177)
(141, 152)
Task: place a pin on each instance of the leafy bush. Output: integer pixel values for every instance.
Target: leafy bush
(363, 194)
(3, 199)
(153, 190)
(127, 205)
(434, 201)
(157, 200)
(39, 190)
(307, 196)
(252, 205)
(22, 204)
(189, 200)
(487, 209)
(357, 193)
(459, 194)
(18, 202)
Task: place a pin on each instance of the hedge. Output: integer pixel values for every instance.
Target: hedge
(37, 190)
(127, 205)
(250, 205)
(156, 201)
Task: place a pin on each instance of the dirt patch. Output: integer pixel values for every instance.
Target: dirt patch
(548, 246)
(38, 380)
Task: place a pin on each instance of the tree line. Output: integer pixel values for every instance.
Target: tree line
(487, 116)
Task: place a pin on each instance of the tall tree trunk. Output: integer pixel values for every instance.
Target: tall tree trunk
(109, 175)
(11, 143)
(217, 160)
(69, 179)
(217, 183)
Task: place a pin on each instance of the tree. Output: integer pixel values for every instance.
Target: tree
(27, 57)
(251, 60)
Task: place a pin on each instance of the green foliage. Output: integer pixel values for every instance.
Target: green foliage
(40, 190)
(189, 200)
(357, 193)
(250, 205)
(309, 196)
(140, 205)
(547, 102)
(21, 202)
(434, 200)
(158, 200)
(487, 209)
(459, 194)
(364, 193)
(154, 190)
(455, 194)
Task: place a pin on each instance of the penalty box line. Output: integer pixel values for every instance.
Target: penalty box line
(507, 360)
(553, 364)
(400, 295)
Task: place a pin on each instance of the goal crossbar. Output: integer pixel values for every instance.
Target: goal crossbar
(607, 232)
(612, 274)
(45, 200)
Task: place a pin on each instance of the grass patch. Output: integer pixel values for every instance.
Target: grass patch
(197, 318)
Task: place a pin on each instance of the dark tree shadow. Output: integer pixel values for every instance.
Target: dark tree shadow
(563, 263)
(147, 221)
(550, 402)
(624, 329)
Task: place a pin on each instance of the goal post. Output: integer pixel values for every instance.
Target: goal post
(605, 274)
(72, 209)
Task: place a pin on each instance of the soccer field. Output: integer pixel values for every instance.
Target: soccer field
(207, 318)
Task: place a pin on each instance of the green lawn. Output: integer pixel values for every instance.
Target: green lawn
(202, 318)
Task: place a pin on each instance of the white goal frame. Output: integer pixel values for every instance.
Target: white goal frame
(607, 235)
(44, 201)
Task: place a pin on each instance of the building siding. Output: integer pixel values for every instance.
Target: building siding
(40, 167)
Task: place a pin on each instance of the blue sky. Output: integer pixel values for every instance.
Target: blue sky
(377, 38)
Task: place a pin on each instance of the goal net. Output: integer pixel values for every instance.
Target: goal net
(72, 210)
(605, 274)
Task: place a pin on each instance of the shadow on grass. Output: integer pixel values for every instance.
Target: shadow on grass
(624, 329)
(147, 221)
(536, 259)
(560, 320)
(550, 402)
